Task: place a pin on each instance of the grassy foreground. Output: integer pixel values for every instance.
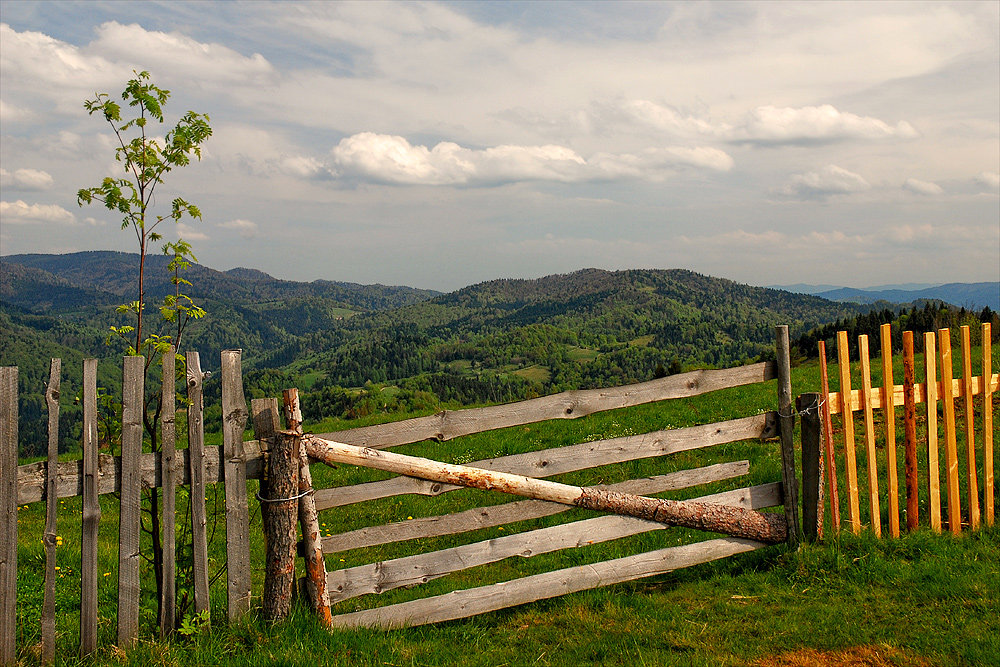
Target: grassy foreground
(925, 599)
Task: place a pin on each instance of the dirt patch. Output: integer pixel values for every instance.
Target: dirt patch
(859, 656)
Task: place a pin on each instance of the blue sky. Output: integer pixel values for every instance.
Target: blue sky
(442, 144)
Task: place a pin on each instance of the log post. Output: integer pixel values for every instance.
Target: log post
(812, 466)
(308, 518)
(735, 521)
(279, 572)
(786, 423)
(51, 509)
(8, 514)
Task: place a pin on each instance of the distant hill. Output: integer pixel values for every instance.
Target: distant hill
(973, 296)
(113, 274)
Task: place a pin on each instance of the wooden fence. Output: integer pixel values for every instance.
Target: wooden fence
(943, 397)
(237, 461)
(95, 474)
(410, 571)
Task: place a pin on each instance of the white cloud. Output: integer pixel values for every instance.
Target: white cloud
(178, 55)
(12, 114)
(990, 179)
(392, 159)
(922, 187)
(189, 233)
(26, 179)
(246, 228)
(822, 124)
(20, 213)
(828, 181)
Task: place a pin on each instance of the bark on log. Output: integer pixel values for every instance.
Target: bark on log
(279, 572)
(311, 539)
(734, 521)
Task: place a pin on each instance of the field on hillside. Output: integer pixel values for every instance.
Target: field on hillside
(925, 599)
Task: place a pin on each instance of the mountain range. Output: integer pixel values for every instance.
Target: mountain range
(972, 296)
(495, 341)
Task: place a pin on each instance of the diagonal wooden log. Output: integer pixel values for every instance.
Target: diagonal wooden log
(735, 521)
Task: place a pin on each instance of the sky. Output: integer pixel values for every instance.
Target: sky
(442, 144)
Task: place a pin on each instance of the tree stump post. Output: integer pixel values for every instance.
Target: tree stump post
(279, 573)
(808, 406)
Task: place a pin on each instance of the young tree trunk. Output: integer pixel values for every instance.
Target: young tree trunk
(735, 521)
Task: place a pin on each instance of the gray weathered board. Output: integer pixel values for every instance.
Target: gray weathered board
(414, 570)
(469, 602)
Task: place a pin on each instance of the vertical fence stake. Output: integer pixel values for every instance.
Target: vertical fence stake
(91, 512)
(871, 456)
(133, 404)
(48, 624)
(889, 413)
(847, 419)
(831, 459)
(266, 424)
(311, 538)
(279, 573)
(786, 418)
(970, 428)
(8, 513)
(988, 423)
(168, 480)
(933, 456)
(808, 406)
(234, 420)
(950, 441)
(910, 434)
(196, 460)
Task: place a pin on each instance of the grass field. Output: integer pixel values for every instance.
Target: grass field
(923, 599)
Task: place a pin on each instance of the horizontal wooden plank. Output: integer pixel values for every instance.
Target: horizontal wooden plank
(473, 601)
(566, 405)
(415, 570)
(919, 393)
(69, 482)
(520, 510)
(548, 462)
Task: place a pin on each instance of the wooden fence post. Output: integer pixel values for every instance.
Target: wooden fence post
(970, 428)
(311, 538)
(786, 419)
(988, 482)
(168, 480)
(831, 460)
(8, 513)
(234, 419)
(847, 419)
(279, 573)
(808, 406)
(889, 413)
(91, 512)
(196, 460)
(266, 424)
(48, 624)
(910, 434)
(950, 435)
(869, 417)
(933, 456)
(133, 404)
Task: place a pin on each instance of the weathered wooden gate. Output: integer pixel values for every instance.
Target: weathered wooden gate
(412, 570)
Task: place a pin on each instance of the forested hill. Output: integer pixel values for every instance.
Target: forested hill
(112, 276)
(588, 328)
